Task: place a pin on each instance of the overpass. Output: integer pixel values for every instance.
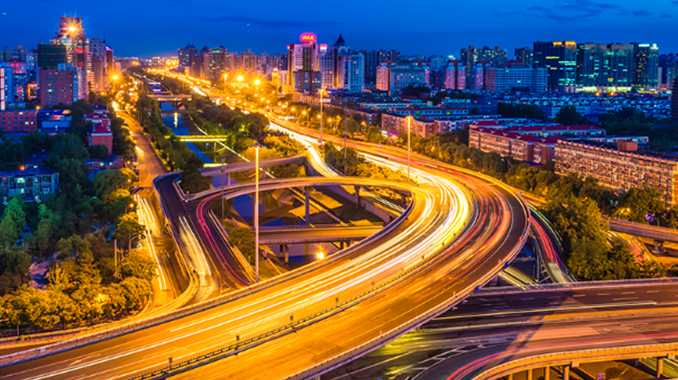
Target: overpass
(444, 230)
(303, 235)
(203, 138)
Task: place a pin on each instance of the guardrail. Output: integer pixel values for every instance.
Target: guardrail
(339, 360)
(314, 318)
(99, 336)
(583, 286)
(566, 358)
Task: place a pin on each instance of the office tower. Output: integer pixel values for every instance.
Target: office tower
(645, 65)
(72, 34)
(99, 65)
(351, 71)
(515, 76)
(63, 85)
(524, 55)
(303, 65)
(559, 58)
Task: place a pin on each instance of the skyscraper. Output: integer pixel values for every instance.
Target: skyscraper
(560, 59)
(2, 89)
(373, 58)
(187, 55)
(351, 71)
(72, 34)
(524, 55)
(303, 65)
(491, 57)
(645, 65)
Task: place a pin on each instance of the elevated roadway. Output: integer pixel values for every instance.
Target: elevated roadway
(494, 321)
(303, 234)
(450, 243)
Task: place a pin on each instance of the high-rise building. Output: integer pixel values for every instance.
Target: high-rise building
(604, 65)
(72, 34)
(559, 58)
(674, 98)
(52, 55)
(187, 55)
(490, 57)
(2, 89)
(455, 76)
(63, 85)
(304, 58)
(373, 58)
(215, 63)
(351, 71)
(99, 65)
(524, 55)
(645, 65)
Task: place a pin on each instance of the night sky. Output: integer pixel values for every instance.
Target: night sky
(155, 27)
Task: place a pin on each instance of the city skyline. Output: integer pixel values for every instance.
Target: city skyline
(270, 28)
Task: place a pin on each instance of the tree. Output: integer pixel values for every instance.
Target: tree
(138, 264)
(243, 239)
(636, 203)
(135, 291)
(127, 228)
(569, 115)
(108, 181)
(98, 151)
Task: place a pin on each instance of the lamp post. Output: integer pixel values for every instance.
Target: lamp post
(321, 115)
(256, 211)
(129, 244)
(345, 136)
(409, 152)
(223, 216)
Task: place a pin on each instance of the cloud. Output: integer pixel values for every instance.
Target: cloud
(641, 13)
(271, 24)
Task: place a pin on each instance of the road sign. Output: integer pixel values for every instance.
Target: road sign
(649, 218)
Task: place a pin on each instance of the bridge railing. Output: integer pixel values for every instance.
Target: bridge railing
(110, 333)
(566, 358)
(348, 356)
(583, 286)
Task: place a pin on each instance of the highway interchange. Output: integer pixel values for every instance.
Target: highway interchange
(460, 230)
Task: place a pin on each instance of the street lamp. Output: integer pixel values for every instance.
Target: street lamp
(223, 216)
(240, 78)
(409, 152)
(256, 210)
(257, 82)
(321, 115)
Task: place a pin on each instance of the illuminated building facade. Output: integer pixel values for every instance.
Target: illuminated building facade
(604, 65)
(64, 85)
(619, 168)
(559, 58)
(645, 65)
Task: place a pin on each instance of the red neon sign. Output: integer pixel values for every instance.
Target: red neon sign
(308, 38)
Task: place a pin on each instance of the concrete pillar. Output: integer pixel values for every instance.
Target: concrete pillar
(308, 206)
(307, 259)
(566, 372)
(547, 373)
(282, 251)
(263, 176)
(357, 195)
(287, 253)
(529, 374)
(510, 376)
(228, 179)
(660, 367)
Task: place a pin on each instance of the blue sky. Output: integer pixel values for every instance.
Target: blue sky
(153, 27)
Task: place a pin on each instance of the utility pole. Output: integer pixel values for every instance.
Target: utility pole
(115, 256)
